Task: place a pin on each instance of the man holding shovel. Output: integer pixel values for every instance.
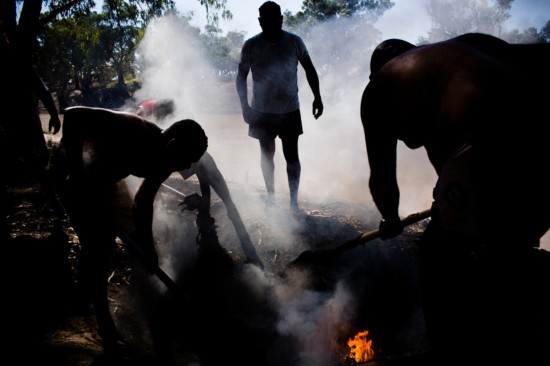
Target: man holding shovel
(458, 99)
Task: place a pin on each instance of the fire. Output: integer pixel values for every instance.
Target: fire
(360, 348)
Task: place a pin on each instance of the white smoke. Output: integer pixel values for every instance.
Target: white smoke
(333, 157)
(314, 319)
(332, 151)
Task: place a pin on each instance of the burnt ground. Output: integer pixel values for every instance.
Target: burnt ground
(220, 316)
(47, 324)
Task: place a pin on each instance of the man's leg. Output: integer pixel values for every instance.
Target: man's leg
(97, 251)
(89, 212)
(267, 147)
(293, 168)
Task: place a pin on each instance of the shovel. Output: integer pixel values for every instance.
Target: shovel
(319, 258)
(161, 275)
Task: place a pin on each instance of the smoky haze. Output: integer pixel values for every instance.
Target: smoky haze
(332, 151)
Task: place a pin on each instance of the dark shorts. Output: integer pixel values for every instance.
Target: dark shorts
(269, 125)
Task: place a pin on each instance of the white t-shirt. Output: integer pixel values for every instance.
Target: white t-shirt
(274, 69)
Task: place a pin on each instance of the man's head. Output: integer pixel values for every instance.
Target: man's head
(186, 142)
(270, 18)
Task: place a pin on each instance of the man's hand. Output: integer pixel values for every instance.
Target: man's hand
(250, 115)
(390, 228)
(55, 124)
(150, 262)
(192, 202)
(317, 108)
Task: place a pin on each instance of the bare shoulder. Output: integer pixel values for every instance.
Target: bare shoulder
(102, 115)
(96, 111)
(95, 121)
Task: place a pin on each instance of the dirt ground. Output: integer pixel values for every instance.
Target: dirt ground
(46, 324)
(50, 325)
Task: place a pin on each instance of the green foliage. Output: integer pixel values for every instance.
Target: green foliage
(213, 10)
(339, 26)
(78, 48)
(318, 11)
(452, 18)
(224, 52)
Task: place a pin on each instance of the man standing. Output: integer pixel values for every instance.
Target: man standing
(273, 57)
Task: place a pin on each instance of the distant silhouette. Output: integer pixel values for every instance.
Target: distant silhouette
(157, 109)
(22, 144)
(477, 105)
(100, 148)
(273, 56)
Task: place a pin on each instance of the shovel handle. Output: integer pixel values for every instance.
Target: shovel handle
(373, 234)
(409, 220)
(161, 275)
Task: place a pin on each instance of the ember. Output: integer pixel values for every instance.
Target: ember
(360, 348)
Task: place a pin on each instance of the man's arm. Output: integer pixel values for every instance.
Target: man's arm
(242, 89)
(143, 218)
(41, 91)
(382, 155)
(313, 81)
(209, 175)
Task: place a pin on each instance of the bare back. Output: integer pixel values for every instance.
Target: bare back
(451, 94)
(109, 145)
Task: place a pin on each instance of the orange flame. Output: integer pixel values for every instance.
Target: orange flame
(361, 348)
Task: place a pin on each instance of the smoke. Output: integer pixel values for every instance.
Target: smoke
(333, 158)
(332, 151)
(313, 319)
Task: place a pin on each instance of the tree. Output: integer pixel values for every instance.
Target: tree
(345, 23)
(224, 52)
(545, 32)
(529, 35)
(120, 30)
(452, 18)
(71, 56)
(24, 23)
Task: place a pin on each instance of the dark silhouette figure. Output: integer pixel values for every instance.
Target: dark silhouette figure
(476, 104)
(221, 304)
(100, 148)
(209, 175)
(23, 147)
(273, 56)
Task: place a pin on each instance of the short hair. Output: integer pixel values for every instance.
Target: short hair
(189, 138)
(270, 9)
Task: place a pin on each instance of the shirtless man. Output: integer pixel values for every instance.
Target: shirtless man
(100, 148)
(453, 105)
(477, 105)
